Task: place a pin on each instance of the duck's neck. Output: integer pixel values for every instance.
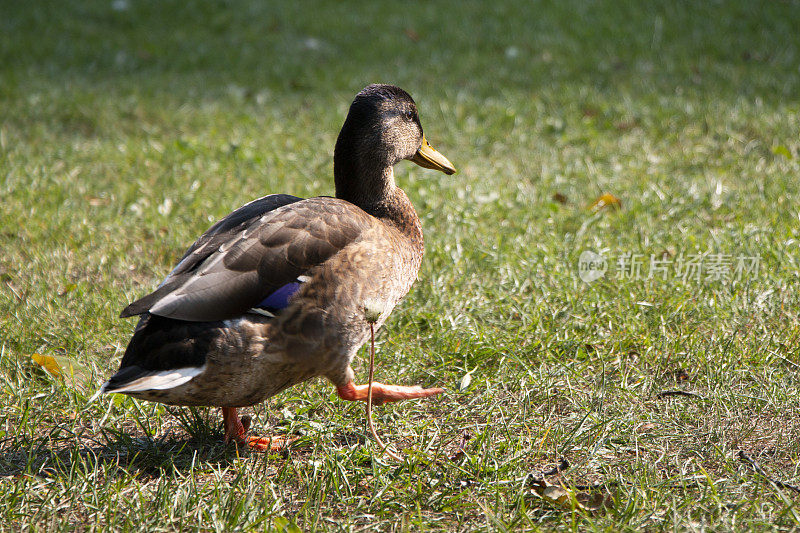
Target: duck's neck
(374, 191)
(398, 211)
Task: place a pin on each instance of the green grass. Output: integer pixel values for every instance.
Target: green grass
(125, 132)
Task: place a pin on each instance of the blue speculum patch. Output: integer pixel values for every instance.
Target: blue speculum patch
(280, 298)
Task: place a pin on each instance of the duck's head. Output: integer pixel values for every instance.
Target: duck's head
(382, 128)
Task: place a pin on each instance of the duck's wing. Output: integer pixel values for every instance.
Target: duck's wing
(252, 254)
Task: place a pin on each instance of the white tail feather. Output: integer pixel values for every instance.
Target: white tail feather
(165, 379)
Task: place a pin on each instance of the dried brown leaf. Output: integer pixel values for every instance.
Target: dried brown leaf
(411, 34)
(606, 200)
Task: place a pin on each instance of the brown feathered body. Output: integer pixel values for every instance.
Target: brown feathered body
(252, 357)
(276, 292)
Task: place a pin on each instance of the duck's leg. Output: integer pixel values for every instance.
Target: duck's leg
(236, 431)
(384, 393)
(235, 428)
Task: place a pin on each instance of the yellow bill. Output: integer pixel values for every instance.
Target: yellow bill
(428, 157)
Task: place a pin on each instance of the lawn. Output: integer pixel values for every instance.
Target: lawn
(669, 385)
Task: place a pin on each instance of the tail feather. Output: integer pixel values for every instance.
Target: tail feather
(137, 379)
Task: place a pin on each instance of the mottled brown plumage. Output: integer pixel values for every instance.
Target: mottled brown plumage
(275, 293)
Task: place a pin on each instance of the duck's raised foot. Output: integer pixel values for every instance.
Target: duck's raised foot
(236, 431)
(384, 393)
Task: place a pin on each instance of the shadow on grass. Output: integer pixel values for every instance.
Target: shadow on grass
(196, 442)
(116, 452)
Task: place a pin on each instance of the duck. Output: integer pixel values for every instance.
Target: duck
(285, 289)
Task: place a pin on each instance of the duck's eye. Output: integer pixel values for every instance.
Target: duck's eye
(410, 114)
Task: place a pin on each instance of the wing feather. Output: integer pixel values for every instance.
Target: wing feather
(245, 257)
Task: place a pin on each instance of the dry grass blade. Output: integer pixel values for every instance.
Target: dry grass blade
(669, 393)
(777, 482)
(383, 447)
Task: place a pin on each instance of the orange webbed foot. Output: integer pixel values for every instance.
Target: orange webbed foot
(382, 393)
(269, 444)
(236, 431)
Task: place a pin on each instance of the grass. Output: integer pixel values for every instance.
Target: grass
(128, 127)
